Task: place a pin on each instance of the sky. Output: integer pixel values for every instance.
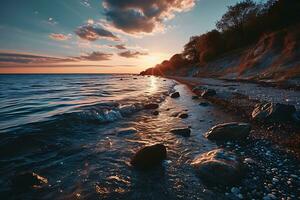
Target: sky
(99, 36)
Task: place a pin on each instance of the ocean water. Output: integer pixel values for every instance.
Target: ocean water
(65, 128)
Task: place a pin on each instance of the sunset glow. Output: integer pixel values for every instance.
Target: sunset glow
(86, 36)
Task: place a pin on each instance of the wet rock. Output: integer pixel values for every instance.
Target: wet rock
(204, 104)
(127, 131)
(218, 167)
(195, 97)
(183, 115)
(28, 180)
(155, 112)
(185, 132)
(229, 131)
(273, 112)
(175, 95)
(269, 197)
(198, 89)
(149, 156)
(208, 93)
(151, 106)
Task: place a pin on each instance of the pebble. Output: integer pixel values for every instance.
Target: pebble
(235, 190)
(275, 180)
(269, 197)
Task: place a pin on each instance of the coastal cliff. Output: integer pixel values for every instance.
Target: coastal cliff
(257, 42)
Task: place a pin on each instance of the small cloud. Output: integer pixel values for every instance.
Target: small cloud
(92, 33)
(132, 54)
(51, 21)
(60, 36)
(120, 46)
(85, 3)
(96, 56)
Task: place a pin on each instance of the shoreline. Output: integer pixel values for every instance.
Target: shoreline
(282, 134)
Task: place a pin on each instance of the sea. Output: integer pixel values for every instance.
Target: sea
(68, 130)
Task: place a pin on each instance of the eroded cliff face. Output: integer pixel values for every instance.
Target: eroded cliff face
(275, 57)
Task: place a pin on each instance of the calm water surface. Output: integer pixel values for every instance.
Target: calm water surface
(65, 128)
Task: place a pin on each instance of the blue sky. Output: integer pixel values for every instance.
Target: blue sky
(81, 35)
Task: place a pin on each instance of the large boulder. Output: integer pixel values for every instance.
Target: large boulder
(149, 156)
(208, 93)
(175, 95)
(185, 132)
(273, 112)
(229, 131)
(218, 167)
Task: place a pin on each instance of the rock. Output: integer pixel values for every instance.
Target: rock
(185, 132)
(195, 97)
(134, 78)
(28, 180)
(235, 190)
(151, 106)
(183, 115)
(149, 156)
(155, 112)
(175, 95)
(198, 89)
(269, 197)
(208, 93)
(218, 167)
(204, 104)
(273, 112)
(229, 131)
(127, 131)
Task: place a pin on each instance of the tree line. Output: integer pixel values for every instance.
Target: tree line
(240, 26)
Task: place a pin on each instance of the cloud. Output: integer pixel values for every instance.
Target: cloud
(60, 36)
(91, 32)
(27, 58)
(96, 56)
(85, 3)
(142, 17)
(120, 46)
(132, 54)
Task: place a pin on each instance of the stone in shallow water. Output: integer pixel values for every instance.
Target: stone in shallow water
(185, 132)
(229, 131)
(151, 106)
(127, 131)
(183, 115)
(208, 93)
(273, 112)
(175, 95)
(28, 180)
(149, 156)
(218, 167)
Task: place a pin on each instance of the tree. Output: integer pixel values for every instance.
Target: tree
(237, 15)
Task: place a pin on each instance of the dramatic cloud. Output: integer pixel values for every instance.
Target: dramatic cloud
(59, 36)
(26, 58)
(132, 54)
(96, 56)
(136, 16)
(91, 32)
(120, 46)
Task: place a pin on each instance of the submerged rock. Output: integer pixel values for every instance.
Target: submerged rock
(208, 93)
(273, 112)
(229, 131)
(151, 106)
(28, 180)
(149, 156)
(218, 167)
(204, 104)
(155, 112)
(127, 131)
(183, 115)
(175, 95)
(185, 132)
